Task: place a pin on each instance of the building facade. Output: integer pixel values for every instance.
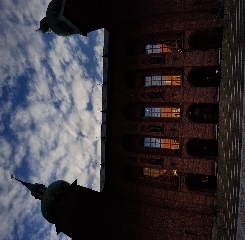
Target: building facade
(162, 114)
(162, 119)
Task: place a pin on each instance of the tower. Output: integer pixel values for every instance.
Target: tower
(83, 213)
(49, 196)
(56, 21)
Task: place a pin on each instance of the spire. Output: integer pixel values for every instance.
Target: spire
(37, 190)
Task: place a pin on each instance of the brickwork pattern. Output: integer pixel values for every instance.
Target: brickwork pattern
(124, 63)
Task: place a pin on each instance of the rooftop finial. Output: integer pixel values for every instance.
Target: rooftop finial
(37, 190)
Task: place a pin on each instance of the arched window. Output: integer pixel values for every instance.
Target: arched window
(201, 183)
(168, 112)
(168, 179)
(159, 172)
(162, 46)
(162, 42)
(202, 147)
(133, 79)
(164, 112)
(205, 77)
(162, 80)
(204, 112)
(206, 39)
(164, 143)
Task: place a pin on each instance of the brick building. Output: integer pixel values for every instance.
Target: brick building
(160, 120)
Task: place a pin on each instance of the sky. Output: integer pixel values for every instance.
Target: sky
(50, 103)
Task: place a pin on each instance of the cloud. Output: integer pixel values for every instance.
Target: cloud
(50, 115)
(98, 50)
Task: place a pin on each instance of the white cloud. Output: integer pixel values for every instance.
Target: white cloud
(98, 50)
(6, 150)
(51, 134)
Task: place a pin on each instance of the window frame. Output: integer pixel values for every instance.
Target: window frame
(167, 181)
(156, 172)
(162, 143)
(161, 80)
(163, 46)
(159, 112)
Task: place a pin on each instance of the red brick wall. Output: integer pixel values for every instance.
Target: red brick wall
(126, 66)
(85, 214)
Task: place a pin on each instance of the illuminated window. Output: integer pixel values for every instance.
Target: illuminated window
(156, 173)
(162, 47)
(164, 143)
(164, 112)
(169, 178)
(167, 80)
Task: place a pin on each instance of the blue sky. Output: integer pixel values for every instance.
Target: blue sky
(49, 114)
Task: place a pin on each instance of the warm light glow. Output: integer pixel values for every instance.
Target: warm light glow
(165, 143)
(155, 172)
(170, 112)
(175, 173)
(173, 80)
(170, 143)
(165, 112)
(163, 80)
(162, 47)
